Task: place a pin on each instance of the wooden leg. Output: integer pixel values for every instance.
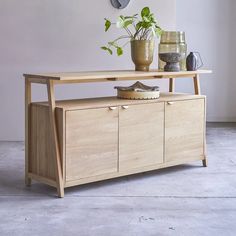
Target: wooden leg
(205, 162)
(197, 90)
(171, 85)
(196, 83)
(56, 153)
(27, 129)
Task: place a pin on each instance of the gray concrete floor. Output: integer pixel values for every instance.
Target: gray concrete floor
(184, 200)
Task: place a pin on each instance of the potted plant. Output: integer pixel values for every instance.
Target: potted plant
(140, 32)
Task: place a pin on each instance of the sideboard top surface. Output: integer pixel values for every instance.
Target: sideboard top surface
(114, 101)
(112, 75)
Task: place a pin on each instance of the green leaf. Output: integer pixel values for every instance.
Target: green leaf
(124, 22)
(120, 22)
(146, 19)
(107, 49)
(119, 51)
(127, 23)
(152, 18)
(107, 24)
(146, 25)
(158, 31)
(138, 25)
(131, 17)
(145, 11)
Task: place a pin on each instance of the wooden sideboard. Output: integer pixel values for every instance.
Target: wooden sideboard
(73, 142)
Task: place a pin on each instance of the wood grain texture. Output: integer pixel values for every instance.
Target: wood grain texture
(91, 142)
(96, 140)
(42, 162)
(197, 91)
(55, 138)
(105, 138)
(42, 179)
(205, 161)
(27, 130)
(92, 76)
(184, 130)
(196, 83)
(114, 101)
(141, 129)
(129, 172)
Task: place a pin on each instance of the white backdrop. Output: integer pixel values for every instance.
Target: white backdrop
(59, 35)
(210, 28)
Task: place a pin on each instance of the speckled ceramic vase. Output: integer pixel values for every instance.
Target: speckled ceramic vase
(142, 54)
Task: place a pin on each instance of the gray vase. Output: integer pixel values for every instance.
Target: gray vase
(194, 61)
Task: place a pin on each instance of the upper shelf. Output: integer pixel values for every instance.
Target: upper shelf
(99, 76)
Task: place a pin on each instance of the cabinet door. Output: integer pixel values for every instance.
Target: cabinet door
(91, 142)
(184, 133)
(141, 135)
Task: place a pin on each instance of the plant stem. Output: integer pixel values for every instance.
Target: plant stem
(145, 34)
(125, 44)
(128, 31)
(141, 34)
(137, 32)
(121, 37)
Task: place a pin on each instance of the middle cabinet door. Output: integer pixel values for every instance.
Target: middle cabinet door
(141, 135)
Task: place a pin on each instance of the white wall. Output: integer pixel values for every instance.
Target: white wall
(210, 28)
(59, 35)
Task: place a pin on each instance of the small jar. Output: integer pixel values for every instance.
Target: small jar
(173, 41)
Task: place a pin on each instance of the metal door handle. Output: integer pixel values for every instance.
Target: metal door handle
(112, 108)
(125, 107)
(170, 103)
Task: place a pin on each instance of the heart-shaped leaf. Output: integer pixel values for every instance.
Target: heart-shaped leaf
(119, 51)
(145, 11)
(107, 24)
(107, 49)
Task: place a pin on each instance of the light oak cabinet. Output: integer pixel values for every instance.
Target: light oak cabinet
(141, 133)
(91, 142)
(184, 130)
(74, 142)
(104, 138)
(95, 137)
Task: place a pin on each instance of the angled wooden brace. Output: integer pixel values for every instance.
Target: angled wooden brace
(55, 147)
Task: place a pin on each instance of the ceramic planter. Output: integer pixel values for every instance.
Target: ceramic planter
(142, 54)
